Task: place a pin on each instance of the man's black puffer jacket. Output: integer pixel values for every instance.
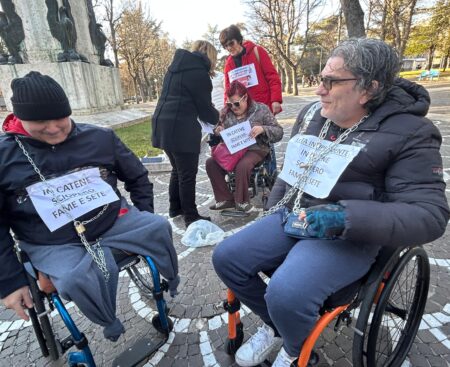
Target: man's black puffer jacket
(393, 191)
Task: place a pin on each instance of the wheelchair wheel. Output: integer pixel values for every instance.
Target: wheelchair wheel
(41, 324)
(141, 275)
(390, 330)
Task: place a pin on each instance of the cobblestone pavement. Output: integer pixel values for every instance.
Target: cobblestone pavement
(200, 327)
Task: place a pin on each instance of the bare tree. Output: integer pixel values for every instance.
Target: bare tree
(135, 35)
(112, 12)
(279, 21)
(354, 18)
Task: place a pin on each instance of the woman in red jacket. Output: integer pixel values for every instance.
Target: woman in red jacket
(251, 65)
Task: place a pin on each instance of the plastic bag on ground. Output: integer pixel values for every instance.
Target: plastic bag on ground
(202, 233)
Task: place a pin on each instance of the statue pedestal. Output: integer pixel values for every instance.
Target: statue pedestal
(91, 88)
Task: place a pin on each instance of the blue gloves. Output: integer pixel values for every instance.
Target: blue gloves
(327, 221)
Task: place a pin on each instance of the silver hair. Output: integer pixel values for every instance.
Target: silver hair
(370, 59)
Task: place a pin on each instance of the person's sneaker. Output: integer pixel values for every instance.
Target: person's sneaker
(258, 347)
(244, 207)
(283, 359)
(190, 220)
(220, 205)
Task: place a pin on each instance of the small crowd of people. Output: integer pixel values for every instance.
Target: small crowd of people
(395, 170)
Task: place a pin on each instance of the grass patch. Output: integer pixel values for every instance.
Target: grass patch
(138, 138)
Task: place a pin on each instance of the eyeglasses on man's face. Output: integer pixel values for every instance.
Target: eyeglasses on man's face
(327, 82)
(229, 44)
(236, 104)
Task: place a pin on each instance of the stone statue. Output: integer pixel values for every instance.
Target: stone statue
(12, 33)
(98, 38)
(62, 27)
(100, 42)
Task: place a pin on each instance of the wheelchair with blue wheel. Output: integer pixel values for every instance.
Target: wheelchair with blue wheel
(145, 276)
(388, 304)
(262, 178)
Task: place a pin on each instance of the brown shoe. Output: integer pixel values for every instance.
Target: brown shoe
(220, 205)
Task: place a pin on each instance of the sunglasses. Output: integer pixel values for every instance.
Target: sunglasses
(235, 104)
(327, 82)
(229, 44)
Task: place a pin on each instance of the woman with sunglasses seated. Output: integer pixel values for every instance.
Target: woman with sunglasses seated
(264, 83)
(239, 108)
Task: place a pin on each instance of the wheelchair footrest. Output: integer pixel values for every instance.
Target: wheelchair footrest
(137, 353)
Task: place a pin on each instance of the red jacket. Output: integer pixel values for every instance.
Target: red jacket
(268, 89)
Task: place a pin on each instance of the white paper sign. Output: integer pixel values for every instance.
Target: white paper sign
(78, 192)
(238, 137)
(206, 127)
(325, 173)
(245, 74)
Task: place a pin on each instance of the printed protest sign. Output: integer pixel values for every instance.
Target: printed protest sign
(76, 193)
(245, 74)
(325, 173)
(238, 137)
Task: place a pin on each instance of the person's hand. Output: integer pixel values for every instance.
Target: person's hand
(218, 129)
(328, 221)
(18, 301)
(276, 107)
(255, 131)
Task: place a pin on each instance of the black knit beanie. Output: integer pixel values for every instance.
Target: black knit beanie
(39, 97)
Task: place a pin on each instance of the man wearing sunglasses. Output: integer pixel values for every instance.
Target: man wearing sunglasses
(389, 193)
(266, 83)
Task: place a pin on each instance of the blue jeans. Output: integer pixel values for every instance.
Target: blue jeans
(307, 273)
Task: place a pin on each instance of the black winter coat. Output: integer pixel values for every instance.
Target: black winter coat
(86, 146)
(393, 191)
(186, 95)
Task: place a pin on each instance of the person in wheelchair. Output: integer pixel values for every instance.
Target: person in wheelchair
(59, 196)
(265, 128)
(369, 175)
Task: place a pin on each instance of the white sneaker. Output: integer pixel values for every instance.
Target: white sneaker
(258, 347)
(283, 359)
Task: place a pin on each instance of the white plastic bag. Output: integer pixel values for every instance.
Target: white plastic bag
(202, 233)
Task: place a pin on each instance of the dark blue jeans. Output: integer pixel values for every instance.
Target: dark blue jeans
(308, 271)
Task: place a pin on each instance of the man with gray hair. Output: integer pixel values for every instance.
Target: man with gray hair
(362, 171)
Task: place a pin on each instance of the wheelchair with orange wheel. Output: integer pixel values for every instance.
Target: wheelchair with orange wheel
(389, 302)
(143, 273)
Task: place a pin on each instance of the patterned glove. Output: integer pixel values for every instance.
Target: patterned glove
(328, 221)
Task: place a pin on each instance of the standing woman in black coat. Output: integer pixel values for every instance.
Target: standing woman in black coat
(186, 95)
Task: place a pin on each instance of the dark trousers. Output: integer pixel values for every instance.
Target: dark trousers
(182, 183)
(243, 171)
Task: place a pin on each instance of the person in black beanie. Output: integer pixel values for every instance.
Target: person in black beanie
(54, 174)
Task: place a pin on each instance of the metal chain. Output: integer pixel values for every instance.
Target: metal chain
(95, 250)
(313, 158)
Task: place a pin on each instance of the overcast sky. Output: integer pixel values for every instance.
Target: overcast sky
(189, 19)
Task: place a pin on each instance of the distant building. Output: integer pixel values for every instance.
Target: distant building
(417, 63)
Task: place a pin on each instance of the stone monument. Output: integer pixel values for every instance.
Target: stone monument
(60, 38)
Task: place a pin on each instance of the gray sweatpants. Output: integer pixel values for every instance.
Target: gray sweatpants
(77, 277)
(308, 271)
